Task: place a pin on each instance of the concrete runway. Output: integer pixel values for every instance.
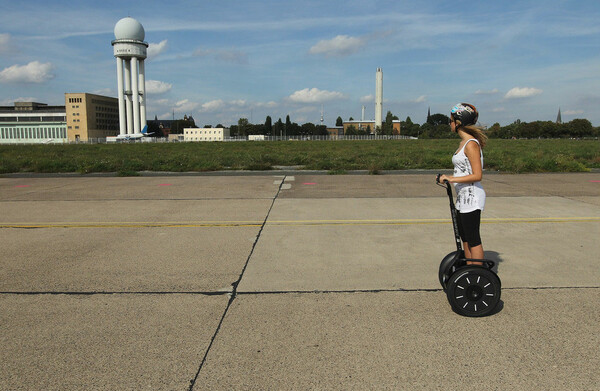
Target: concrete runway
(291, 282)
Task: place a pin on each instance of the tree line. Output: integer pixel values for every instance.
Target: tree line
(279, 128)
(436, 126)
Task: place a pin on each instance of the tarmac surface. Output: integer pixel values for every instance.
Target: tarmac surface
(292, 282)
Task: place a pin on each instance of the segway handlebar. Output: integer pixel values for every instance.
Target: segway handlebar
(446, 184)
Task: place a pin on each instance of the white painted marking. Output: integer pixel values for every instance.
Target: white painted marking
(460, 287)
(465, 305)
(286, 186)
(475, 307)
(478, 278)
(459, 297)
(489, 283)
(289, 179)
(469, 281)
(485, 303)
(489, 294)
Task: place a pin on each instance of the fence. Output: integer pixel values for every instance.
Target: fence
(230, 139)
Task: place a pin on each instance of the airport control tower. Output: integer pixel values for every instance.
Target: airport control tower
(130, 51)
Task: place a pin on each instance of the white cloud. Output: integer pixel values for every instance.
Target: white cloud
(573, 112)
(157, 87)
(10, 102)
(162, 102)
(522, 92)
(103, 91)
(154, 49)
(185, 106)
(367, 99)
(485, 92)
(213, 105)
(314, 95)
(342, 45)
(498, 110)
(270, 104)
(420, 99)
(239, 103)
(34, 72)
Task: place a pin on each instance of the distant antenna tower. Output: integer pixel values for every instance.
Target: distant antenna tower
(363, 114)
(321, 114)
(378, 98)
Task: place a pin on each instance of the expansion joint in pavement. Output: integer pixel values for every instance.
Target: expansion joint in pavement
(235, 285)
(92, 293)
(398, 290)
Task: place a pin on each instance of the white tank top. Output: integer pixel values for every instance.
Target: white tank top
(469, 196)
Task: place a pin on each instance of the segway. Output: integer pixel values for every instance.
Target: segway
(472, 290)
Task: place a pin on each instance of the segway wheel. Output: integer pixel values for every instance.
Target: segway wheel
(473, 291)
(447, 267)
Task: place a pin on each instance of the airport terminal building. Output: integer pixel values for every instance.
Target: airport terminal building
(84, 117)
(32, 122)
(91, 117)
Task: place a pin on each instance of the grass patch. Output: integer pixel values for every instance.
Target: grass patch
(336, 157)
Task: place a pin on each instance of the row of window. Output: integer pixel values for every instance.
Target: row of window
(104, 102)
(107, 121)
(33, 119)
(203, 132)
(107, 115)
(75, 100)
(107, 109)
(32, 133)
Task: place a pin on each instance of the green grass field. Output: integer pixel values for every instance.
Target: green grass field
(338, 157)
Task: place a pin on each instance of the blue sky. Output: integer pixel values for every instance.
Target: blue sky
(223, 60)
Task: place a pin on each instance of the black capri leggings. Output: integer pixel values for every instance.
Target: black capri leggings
(468, 227)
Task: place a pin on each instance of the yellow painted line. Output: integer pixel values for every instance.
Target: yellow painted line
(135, 224)
(437, 221)
(210, 224)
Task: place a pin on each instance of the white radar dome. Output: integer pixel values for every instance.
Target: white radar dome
(129, 28)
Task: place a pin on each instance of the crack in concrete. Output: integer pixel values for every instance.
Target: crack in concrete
(234, 286)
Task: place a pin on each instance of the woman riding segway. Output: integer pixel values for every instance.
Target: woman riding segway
(472, 287)
(468, 172)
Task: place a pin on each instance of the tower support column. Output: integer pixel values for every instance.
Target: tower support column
(142, 82)
(121, 97)
(135, 95)
(128, 103)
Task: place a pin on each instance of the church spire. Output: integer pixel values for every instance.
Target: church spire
(558, 117)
